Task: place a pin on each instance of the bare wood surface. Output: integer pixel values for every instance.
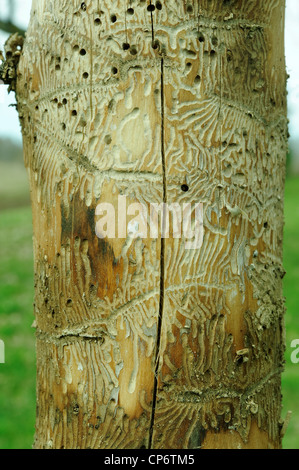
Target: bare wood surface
(142, 342)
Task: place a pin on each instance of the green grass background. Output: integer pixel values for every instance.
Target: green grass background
(17, 375)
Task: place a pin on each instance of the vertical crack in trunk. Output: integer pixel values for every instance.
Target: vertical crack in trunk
(162, 263)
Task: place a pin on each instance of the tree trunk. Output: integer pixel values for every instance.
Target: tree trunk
(142, 342)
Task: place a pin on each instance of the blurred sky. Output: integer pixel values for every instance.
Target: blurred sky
(9, 124)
